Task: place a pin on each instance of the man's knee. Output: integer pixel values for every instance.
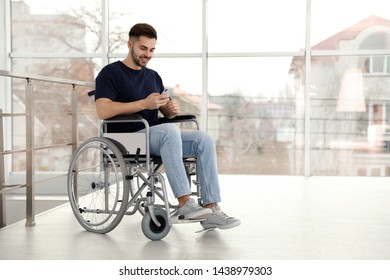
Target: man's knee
(167, 131)
(206, 138)
(170, 129)
(205, 141)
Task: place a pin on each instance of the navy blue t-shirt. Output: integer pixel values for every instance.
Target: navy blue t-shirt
(120, 83)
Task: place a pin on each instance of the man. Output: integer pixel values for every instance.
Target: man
(127, 87)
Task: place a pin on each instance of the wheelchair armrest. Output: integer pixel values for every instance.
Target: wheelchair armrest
(125, 118)
(181, 118)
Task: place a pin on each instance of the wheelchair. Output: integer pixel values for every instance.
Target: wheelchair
(114, 175)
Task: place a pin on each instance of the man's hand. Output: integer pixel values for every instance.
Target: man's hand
(171, 109)
(156, 100)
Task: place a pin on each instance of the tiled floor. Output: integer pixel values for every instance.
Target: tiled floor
(283, 218)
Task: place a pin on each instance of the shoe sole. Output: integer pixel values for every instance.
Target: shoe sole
(228, 226)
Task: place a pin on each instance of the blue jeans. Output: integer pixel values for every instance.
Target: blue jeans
(172, 144)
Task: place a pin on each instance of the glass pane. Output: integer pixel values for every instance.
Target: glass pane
(254, 26)
(349, 119)
(82, 69)
(52, 109)
(184, 76)
(183, 73)
(388, 64)
(256, 115)
(378, 64)
(178, 23)
(361, 25)
(61, 26)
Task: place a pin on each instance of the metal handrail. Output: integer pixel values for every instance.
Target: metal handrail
(44, 78)
(30, 147)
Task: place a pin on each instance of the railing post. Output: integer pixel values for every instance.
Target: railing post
(2, 175)
(30, 155)
(75, 130)
(75, 120)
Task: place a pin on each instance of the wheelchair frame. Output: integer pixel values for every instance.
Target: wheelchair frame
(108, 179)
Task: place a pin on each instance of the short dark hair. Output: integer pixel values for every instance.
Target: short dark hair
(143, 29)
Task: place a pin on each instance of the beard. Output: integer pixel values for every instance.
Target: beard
(141, 61)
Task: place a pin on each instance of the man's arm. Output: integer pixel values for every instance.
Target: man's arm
(107, 108)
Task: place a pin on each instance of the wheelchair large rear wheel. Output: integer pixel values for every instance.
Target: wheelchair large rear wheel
(98, 189)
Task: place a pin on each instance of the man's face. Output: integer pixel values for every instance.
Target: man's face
(142, 50)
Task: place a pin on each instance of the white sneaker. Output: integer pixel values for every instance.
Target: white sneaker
(192, 211)
(219, 219)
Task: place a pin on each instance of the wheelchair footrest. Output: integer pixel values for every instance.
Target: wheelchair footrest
(179, 220)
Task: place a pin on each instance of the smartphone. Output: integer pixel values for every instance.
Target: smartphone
(168, 91)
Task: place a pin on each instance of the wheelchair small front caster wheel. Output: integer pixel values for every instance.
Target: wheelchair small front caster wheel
(151, 230)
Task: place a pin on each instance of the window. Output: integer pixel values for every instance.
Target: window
(240, 66)
(255, 26)
(377, 65)
(178, 23)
